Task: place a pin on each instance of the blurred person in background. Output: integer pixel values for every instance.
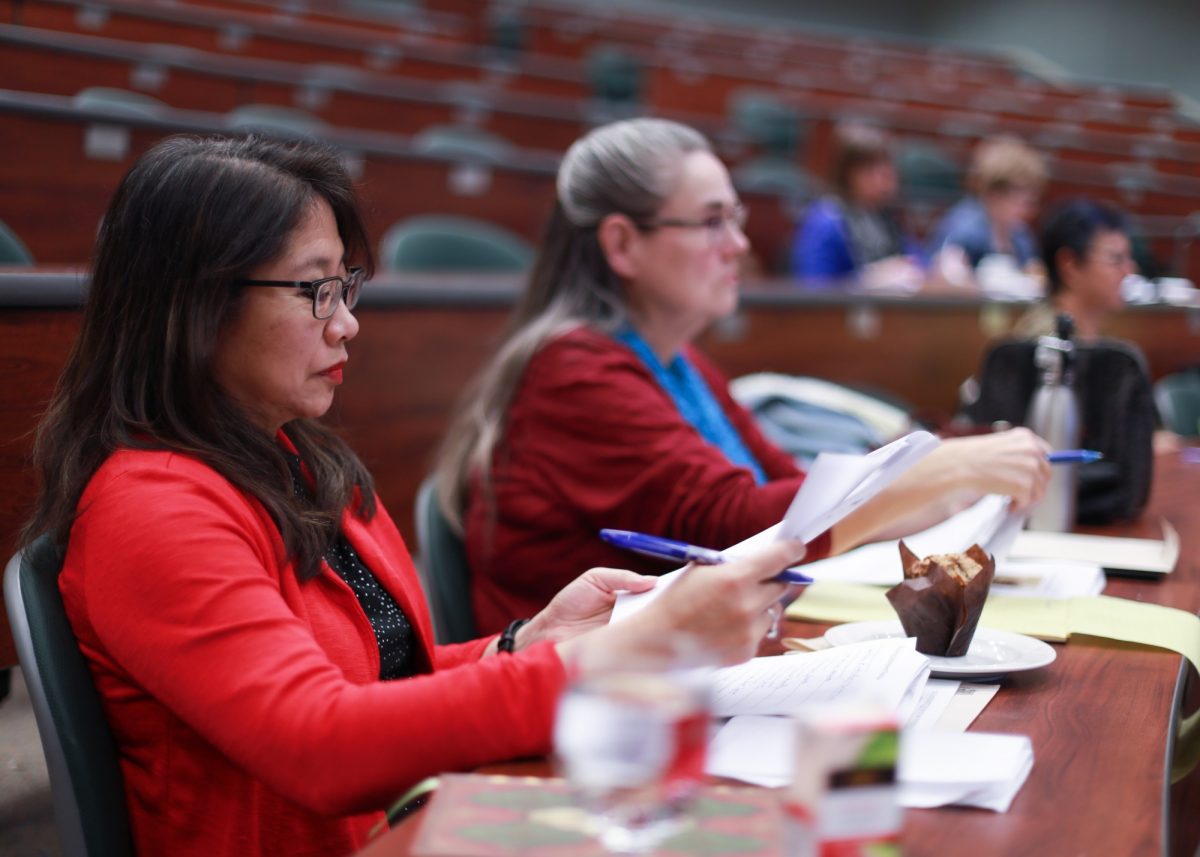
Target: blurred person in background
(854, 235)
(1087, 252)
(1004, 182)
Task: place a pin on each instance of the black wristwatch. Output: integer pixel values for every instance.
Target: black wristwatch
(508, 638)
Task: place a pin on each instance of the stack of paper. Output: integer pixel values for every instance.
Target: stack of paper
(936, 768)
(1137, 556)
(967, 769)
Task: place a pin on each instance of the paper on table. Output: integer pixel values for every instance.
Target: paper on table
(969, 700)
(754, 748)
(935, 699)
(963, 769)
(988, 524)
(1058, 579)
(888, 672)
(936, 768)
(836, 484)
(1147, 556)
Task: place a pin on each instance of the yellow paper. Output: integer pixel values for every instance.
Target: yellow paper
(1055, 620)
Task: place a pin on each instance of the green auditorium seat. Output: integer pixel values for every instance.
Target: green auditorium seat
(121, 101)
(451, 243)
(614, 75)
(462, 143)
(81, 756)
(1177, 397)
(274, 121)
(762, 119)
(507, 32)
(927, 174)
(12, 250)
(442, 566)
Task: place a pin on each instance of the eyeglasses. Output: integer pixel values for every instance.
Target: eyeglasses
(1115, 259)
(326, 293)
(715, 224)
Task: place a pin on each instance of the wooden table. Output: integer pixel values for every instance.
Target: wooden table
(1102, 723)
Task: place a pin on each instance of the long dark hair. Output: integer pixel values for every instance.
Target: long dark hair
(191, 217)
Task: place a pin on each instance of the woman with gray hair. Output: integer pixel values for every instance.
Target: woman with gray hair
(598, 412)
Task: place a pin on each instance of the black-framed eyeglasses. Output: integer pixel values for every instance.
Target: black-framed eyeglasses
(326, 293)
(714, 224)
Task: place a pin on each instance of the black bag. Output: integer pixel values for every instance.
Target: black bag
(1117, 414)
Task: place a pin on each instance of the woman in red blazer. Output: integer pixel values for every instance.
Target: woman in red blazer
(248, 611)
(597, 412)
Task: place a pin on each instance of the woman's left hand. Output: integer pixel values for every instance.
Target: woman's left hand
(583, 604)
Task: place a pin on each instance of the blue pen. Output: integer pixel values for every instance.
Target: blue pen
(1073, 456)
(670, 549)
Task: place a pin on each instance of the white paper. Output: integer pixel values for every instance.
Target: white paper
(830, 491)
(963, 769)
(836, 484)
(935, 699)
(1151, 556)
(1056, 580)
(988, 524)
(628, 603)
(936, 768)
(753, 748)
(889, 673)
(969, 700)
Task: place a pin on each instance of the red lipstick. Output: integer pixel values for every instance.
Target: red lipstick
(334, 372)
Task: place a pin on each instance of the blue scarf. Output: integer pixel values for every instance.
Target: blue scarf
(695, 402)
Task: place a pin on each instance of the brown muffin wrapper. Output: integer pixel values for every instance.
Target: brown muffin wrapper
(938, 610)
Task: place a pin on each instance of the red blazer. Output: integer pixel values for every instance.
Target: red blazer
(246, 705)
(593, 441)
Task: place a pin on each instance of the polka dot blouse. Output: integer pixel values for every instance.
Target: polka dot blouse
(393, 633)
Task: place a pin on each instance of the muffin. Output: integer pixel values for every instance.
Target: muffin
(941, 598)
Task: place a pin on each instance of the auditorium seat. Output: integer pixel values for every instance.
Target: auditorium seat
(276, 121)
(12, 250)
(614, 75)
(120, 101)
(462, 143)
(440, 242)
(763, 119)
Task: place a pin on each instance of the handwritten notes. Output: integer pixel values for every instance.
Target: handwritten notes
(889, 672)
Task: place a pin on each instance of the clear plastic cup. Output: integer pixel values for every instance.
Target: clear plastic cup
(631, 744)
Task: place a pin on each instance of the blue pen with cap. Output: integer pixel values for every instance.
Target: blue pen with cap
(1073, 456)
(681, 552)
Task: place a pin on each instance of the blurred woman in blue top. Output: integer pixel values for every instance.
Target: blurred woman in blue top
(855, 233)
(1004, 183)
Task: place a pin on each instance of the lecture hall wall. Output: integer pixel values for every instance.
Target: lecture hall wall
(1148, 42)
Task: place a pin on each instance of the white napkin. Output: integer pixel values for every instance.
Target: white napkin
(963, 769)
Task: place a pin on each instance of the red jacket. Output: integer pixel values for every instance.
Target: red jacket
(593, 441)
(246, 705)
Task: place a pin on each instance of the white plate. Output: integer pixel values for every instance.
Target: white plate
(993, 653)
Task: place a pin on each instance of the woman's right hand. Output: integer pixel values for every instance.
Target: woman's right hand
(721, 610)
(1010, 462)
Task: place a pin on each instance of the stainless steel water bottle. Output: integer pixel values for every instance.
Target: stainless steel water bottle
(1054, 415)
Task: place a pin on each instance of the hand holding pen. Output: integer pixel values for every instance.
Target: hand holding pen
(681, 552)
(1073, 456)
